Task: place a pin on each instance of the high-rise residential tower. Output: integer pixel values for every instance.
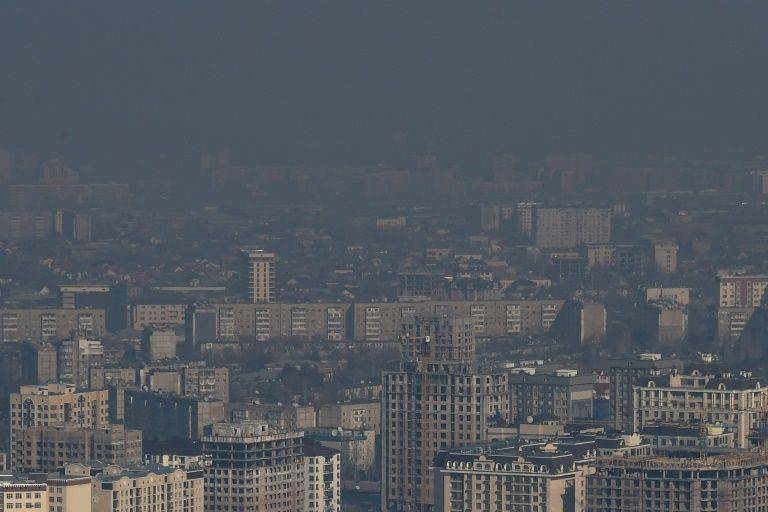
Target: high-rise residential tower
(254, 466)
(436, 401)
(260, 275)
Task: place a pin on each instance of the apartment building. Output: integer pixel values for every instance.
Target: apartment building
(677, 438)
(39, 362)
(376, 321)
(564, 228)
(738, 402)
(206, 382)
(127, 489)
(48, 324)
(541, 477)
(161, 343)
(381, 321)
(150, 315)
(113, 299)
(75, 356)
(740, 294)
(260, 275)
(254, 466)
(562, 394)
(732, 481)
(164, 417)
(51, 405)
(435, 401)
(66, 493)
(350, 415)
(260, 322)
(322, 479)
(21, 224)
(48, 448)
(285, 416)
(24, 495)
(622, 374)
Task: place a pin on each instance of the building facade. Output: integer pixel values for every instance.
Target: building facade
(127, 489)
(48, 324)
(622, 374)
(564, 228)
(436, 401)
(735, 481)
(253, 466)
(737, 402)
(48, 448)
(563, 394)
(260, 275)
(322, 479)
(164, 417)
(52, 405)
(544, 478)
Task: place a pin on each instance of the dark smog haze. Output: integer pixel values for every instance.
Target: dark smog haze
(326, 256)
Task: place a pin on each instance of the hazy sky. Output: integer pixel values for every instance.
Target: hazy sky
(345, 81)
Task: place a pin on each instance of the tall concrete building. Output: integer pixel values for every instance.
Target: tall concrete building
(157, 314)
(322, 478)
(260, 275)
(563, 228)
(53, 404)
(253, 466)
(434, 402)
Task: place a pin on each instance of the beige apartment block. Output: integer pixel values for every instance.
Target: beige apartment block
(51, 405)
